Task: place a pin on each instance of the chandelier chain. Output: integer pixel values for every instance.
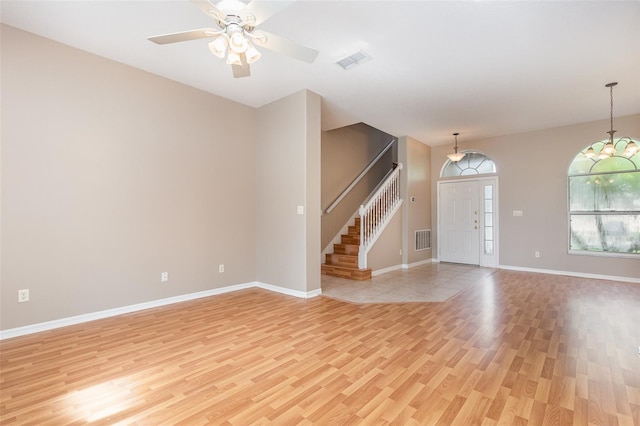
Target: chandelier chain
(611, 107)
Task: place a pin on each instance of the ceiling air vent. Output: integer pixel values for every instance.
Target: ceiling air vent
(355, 59)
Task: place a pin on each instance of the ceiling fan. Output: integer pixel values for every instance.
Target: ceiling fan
(236, 38)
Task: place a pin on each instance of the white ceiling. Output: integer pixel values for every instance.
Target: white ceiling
(481, 68)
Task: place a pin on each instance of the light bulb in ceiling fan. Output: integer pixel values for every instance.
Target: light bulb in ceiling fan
(219, 46)
(233, 59)
(237, 42)
(252, 54)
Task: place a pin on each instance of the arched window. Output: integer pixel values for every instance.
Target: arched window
(473, 163)
(604, 202)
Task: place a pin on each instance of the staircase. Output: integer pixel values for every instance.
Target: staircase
(343, 262)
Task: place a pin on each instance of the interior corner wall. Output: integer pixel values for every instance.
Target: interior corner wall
(535, 183)
(288, 176)
(111, 176)
(416, 192)
(313, 183)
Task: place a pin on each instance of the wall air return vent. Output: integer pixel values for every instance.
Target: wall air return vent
(355, 59)
(423, 239)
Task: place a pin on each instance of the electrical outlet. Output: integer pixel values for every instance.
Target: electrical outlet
(221, 268)
(164, 277)
(23, 295)
(537, 254)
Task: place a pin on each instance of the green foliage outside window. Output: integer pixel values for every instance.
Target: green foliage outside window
(604, 203)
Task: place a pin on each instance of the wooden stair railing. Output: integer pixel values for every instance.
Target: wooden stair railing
(343, 262)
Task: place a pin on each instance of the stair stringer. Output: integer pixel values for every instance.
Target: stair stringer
(336, 239)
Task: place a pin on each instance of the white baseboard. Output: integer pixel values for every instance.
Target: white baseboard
(385, 270)
(289, 292)
(571, 274)
(63, 322)
(401, 266)
(419, 263)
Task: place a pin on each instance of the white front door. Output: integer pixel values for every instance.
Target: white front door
(459, 222)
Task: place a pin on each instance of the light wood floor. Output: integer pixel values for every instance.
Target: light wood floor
(515, 348)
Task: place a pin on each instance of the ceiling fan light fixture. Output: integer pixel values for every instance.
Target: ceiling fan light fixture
(252, 54)
(233, 58)
(258, 37)
(237, 41)
(219, 46)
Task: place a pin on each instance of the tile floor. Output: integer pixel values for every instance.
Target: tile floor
(431, 282)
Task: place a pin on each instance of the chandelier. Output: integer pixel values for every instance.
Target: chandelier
(611, 147)
(456, 156)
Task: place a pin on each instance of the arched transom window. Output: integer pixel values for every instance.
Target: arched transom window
(604, 203)
(473, 163)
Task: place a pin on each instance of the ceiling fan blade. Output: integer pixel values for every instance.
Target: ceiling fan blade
(284, 46)
(243, 70)
(210, 10)
(258, 11)
(184, 36)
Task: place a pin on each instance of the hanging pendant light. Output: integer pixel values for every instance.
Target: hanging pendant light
(456, 156)
(609, 149)
(631, 149)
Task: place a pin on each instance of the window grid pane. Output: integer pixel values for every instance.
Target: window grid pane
(604, 202)
(473, 163)
(488, 220)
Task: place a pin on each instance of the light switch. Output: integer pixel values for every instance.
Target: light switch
(300, 209)
(517, 212)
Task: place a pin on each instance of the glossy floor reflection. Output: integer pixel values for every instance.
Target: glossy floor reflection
(432, 282)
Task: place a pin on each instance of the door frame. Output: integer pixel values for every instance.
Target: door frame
(490, 261)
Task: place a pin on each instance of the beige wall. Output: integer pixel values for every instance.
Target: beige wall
(396, 245)
(416, 183)
(385, 253)
(345, 153)
(288, 176)
(536, 183)
(110, 176)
